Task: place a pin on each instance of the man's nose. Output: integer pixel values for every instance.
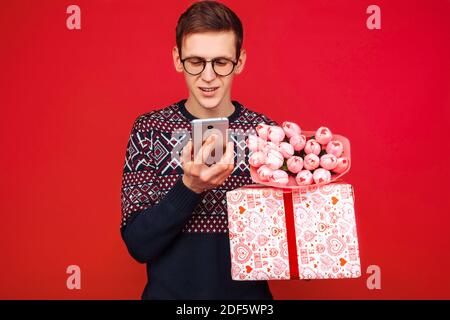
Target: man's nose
(208, 74)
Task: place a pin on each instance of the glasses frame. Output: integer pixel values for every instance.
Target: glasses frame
(212, 63)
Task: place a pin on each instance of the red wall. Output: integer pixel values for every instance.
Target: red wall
(69, 97)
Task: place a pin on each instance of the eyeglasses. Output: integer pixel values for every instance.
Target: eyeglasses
(221, 66)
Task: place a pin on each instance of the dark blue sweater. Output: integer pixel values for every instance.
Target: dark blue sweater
(182, 236)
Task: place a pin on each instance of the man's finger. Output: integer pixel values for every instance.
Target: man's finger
(224, 167)
(215, 171)
(186, 153)
(222, 175)
(209, 148)
(206, 147)
(228, 156)
(226, 164)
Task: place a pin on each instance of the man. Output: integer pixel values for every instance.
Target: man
(174, 213)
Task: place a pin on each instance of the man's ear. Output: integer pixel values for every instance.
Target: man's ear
(241, 62)
(177, 60)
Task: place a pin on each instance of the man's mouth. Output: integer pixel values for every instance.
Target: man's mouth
(208, 89)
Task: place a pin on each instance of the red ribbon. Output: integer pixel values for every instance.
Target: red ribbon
(291, 237)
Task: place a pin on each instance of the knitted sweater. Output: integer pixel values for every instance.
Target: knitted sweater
(182, 236)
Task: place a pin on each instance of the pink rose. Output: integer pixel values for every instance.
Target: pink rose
(286, 149)
(255, 143)
(311, 161)
(274, 159)
(257, 159)
(328, 161)
(264, 173)
(295, 164)
(275, 134)
(321, 175)
(304, 178)
(262, 129)
(342, 165)
(312, 146)
(291, 129)
(298, 142)
(270, 145)
(335, 147)
(279, 176)
(323, 135)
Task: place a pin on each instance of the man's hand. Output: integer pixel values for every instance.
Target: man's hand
(197, 175)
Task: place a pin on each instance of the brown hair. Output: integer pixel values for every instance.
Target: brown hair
(206, 16)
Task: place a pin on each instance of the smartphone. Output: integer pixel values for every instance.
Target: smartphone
(202, 129)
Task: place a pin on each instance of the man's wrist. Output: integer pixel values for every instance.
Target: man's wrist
(189, 186)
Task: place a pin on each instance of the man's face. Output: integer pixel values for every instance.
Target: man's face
(209, 45)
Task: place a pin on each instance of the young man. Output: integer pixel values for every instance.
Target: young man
(174, 213)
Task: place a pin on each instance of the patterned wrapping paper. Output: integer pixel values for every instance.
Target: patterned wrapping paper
(325, 229)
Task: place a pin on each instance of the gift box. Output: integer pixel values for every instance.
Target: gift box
(293, 233)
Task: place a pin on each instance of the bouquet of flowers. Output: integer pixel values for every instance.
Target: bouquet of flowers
(286, 156)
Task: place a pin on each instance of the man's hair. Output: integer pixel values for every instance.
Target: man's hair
(204, 16)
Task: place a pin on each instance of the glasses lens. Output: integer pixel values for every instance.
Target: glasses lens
(193, 65)
(223, 67)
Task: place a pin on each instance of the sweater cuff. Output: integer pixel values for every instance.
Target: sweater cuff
(182, 198)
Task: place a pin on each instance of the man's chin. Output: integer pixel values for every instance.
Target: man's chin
(209, 103)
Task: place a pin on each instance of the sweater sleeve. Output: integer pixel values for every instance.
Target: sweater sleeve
(150, 222)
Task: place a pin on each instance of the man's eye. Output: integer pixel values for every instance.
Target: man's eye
(196, 62)
(221, 62)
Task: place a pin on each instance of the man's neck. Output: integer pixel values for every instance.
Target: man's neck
(225, 109)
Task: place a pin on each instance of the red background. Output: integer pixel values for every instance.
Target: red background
(69, 98)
